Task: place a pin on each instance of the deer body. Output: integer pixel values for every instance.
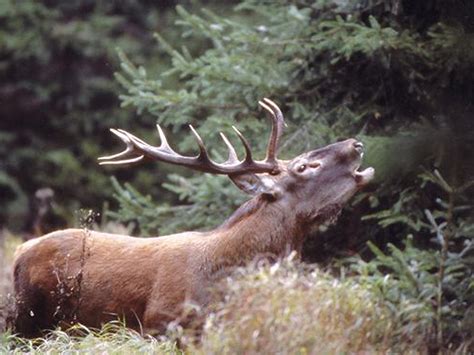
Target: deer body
(92, 277)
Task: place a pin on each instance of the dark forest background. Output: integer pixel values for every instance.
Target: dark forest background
(396, 74)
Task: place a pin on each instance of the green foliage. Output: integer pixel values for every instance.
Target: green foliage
(406, 281)
(436, 275)
(337, 74)
(195, 195)
(59, 97)
(396, 75)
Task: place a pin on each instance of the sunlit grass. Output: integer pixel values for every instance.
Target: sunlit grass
(113, 338)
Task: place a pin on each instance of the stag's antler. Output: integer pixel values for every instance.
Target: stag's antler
(136, 150)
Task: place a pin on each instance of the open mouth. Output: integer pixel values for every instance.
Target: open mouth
(365, 176)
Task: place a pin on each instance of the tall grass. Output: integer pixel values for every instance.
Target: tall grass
(289, 308)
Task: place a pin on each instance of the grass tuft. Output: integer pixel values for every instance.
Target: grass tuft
(293, 308)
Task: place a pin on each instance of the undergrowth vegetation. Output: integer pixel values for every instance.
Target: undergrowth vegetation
(396, 74)
(290, 308)
(285, 308)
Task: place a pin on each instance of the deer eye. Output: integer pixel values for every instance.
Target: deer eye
(301, 168)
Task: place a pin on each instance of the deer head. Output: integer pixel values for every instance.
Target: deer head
(311, 185)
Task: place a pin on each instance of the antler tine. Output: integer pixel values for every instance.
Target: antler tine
(202, 148)
(275, 109)
(164, 142)
(123, 161)
(278, 122)
(232, 157)
(131, 137)
(248, 151)
(111, 159)
(122, 153)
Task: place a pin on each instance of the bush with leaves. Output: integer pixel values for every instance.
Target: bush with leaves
(436, 273)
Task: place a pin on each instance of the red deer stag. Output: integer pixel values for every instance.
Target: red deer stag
(92, 277)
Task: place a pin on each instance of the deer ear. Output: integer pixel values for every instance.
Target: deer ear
(254, 184)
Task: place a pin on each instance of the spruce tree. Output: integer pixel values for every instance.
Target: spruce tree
(395, 74)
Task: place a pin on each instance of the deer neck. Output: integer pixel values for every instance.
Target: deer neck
(257, 228)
